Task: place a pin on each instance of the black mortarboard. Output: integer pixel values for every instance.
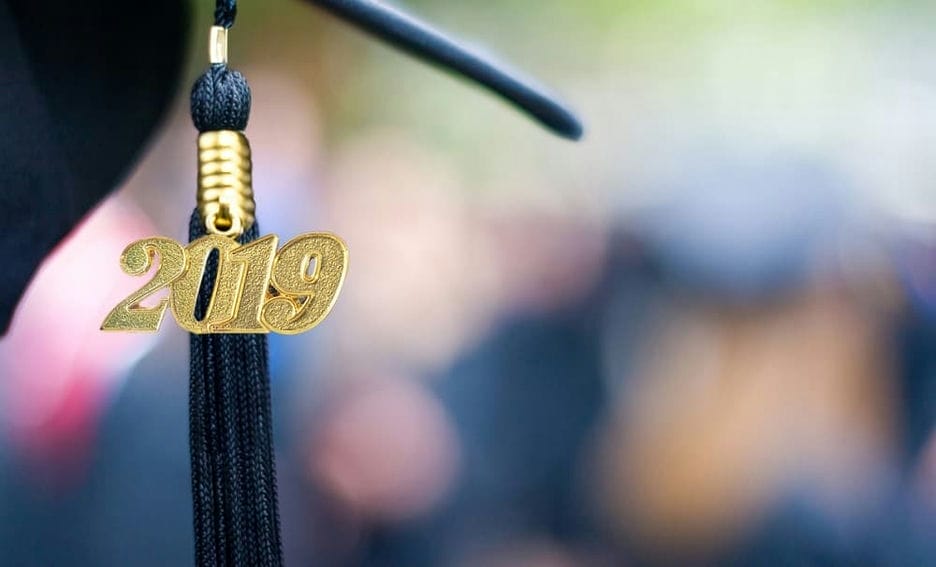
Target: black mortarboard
(76, 107)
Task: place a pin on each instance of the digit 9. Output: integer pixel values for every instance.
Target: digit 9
(303, 300)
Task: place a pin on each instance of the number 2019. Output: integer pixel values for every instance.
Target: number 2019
(256, 288)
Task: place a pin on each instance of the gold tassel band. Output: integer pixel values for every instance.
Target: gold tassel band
(225, 193)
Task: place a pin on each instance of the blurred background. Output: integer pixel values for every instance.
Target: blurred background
(706, 335)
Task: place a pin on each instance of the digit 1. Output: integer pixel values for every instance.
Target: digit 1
(247, 278)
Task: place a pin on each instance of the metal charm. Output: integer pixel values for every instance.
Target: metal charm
(225, 182)
(257, 289)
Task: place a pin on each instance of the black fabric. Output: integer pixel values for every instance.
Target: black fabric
(233, 467)
(82, 87)
(220, 100)
(418, 38)
(225, 13)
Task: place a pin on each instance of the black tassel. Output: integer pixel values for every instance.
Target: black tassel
(233, 468)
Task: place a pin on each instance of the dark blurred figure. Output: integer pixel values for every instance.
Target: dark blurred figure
(733, 400)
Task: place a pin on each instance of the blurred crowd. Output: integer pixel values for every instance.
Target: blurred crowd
(706, 335)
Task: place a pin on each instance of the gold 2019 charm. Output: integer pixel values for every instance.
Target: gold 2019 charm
(257, 289)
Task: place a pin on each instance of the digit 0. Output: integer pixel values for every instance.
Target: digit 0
(185, 290)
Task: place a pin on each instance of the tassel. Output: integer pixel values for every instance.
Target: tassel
(231, 426)
(233, 468)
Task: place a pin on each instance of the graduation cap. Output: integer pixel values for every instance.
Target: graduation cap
(77, 106)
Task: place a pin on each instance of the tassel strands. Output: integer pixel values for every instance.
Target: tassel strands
(233, 465)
